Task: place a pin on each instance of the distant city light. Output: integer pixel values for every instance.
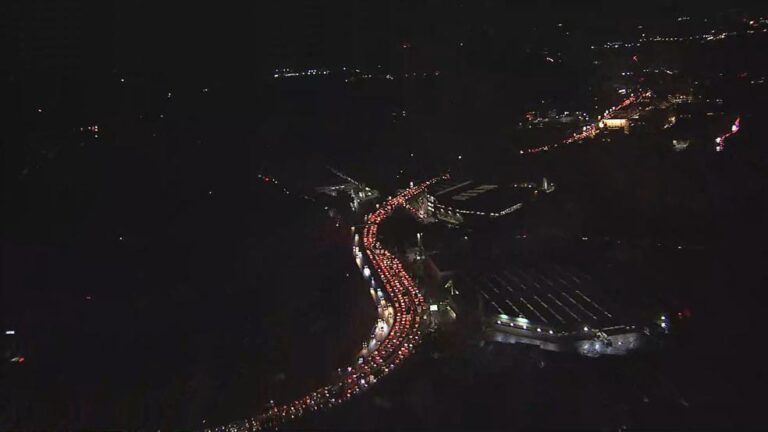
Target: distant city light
(10, 332)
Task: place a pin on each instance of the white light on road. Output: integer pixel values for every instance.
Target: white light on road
(10, 332)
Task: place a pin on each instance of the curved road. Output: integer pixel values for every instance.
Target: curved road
(408, 306)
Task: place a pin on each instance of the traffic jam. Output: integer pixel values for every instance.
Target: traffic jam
(404, 335)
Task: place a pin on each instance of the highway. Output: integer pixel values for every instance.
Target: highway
(720, 141)
(408, 308)
(591, 130)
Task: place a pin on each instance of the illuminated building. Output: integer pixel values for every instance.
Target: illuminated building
(614, 123)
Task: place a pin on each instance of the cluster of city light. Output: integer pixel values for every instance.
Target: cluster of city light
(591, 130)
(720, 141)
(351, 73)
(533, 119)
(288, 73)
(754, 27)
(359, 75)
(93, 130)
(408, 306)
(654, 70)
